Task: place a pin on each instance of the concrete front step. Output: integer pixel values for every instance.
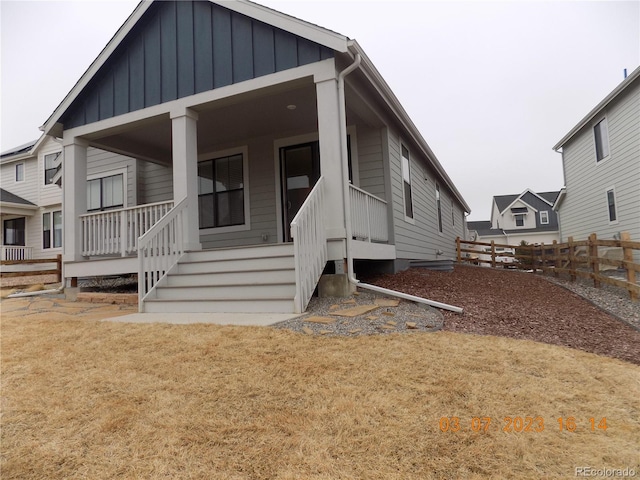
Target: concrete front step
(249, 277)
(273, 305)
(243, 292)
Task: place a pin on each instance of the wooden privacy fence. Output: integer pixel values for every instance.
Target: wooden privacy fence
(57, 270)
(576, 258)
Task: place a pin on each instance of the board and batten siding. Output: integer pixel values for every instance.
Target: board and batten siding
(421, 239)
(584, 209)
(183, 48)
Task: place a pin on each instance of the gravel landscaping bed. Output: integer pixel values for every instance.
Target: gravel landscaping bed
(338, 316)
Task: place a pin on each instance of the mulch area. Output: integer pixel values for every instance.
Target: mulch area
(518, 305)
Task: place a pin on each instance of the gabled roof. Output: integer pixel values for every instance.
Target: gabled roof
(18, 150)
(635, 75)
(23, 151)
(8, 197)
(504, 202)
(306, 30)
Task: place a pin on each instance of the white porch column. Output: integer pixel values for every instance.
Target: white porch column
(330, 152)
(185, 170)
(74, 197)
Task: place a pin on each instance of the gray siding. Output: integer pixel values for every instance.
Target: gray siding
(155, 182)
(584, 209)
(180, 48)
(102, 163)
(370, 161)
(421, 239)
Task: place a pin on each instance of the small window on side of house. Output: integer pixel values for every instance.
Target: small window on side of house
(519, 220)
(50, 167)
(439, 207)
(601, 138)
(611, 205)
(406, 183)
(453, 214)
(19, 172)
(544, 217)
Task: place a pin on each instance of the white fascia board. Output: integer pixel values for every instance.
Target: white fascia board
(122, 32)
(294, 25)
(9, 208)
(598, 108)
(402, 116)
(519, 199)
(563, 193)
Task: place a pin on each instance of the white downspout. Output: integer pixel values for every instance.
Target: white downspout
(347, 200)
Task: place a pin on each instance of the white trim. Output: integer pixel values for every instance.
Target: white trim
(519, 197)
(244, 151)
(546, 212)
(111, 173)
(615, 204)
(277, 145)
(595, 143)
(411, 220)
(51, 211)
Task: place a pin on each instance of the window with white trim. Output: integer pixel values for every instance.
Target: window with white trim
(544, 217)
(439, 207)
(105, 193)
(221, 192)
(601, 138)
(50, 167)
(519, 219)
(611, 205)
(14, 232)
(406, 183)
(19, 172)
(453, 214)
(52, 229)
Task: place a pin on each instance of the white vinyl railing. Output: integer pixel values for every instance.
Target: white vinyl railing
(159, 249)
(116, 232)
(368, 216)
(309, 245)
(12, 252)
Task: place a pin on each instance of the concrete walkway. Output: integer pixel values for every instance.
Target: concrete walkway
(54, 307)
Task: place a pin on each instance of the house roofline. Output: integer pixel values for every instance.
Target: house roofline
(376, 79)
(561, 195)
(519, 197)
(294, 25)
(598, 108)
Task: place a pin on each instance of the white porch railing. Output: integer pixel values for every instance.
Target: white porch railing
(159, 249)
(309, 245)
(116, 232)
(368, 216)
(12, 252)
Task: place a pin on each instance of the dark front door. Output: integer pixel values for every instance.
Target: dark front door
(300, 170)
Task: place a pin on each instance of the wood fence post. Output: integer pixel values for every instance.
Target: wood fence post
(533, 258)
(493, 254)
(459, 253)
(627, 255)
(556, 258)
(593, 259)
(543, 259)
(59, 267)
(572, 262)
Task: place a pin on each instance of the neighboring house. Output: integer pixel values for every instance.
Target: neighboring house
(246, 119)
(527, 217)
(31, 204)
(601, 164)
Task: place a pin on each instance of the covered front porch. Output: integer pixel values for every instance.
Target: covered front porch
(240, 163)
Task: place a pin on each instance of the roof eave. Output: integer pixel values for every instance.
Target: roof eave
(598, 108)
(392, 101)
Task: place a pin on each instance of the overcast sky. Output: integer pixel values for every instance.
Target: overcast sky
(492, 86)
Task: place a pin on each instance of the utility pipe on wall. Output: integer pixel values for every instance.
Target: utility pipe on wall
(347, 200)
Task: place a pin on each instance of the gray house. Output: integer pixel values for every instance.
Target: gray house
(601, 164)
(275, 153)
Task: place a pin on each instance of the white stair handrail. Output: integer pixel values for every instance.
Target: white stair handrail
(368, 216)
(159, 250)
(309, 245)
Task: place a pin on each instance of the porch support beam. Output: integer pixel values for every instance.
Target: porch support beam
(74, 197)
(184, 124)
(330, 156)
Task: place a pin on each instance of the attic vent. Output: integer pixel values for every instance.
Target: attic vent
(519, 210)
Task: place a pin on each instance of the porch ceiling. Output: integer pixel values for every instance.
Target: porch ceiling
(221, 124)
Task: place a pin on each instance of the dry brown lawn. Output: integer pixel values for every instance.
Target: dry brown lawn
(89, 399)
